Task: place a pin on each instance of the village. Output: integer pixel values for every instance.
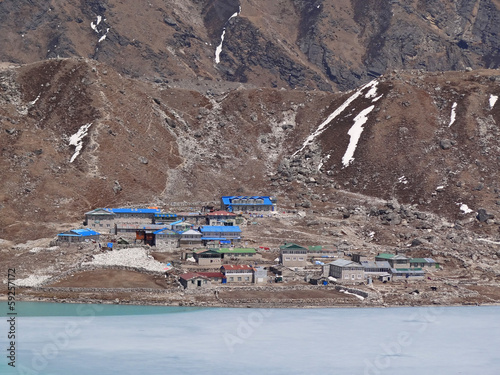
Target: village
(208, 248)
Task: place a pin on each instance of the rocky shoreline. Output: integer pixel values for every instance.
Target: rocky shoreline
(211, 298)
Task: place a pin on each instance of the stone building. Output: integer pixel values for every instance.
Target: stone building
(347, 271)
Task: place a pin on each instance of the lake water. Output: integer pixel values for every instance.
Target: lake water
(72, 339)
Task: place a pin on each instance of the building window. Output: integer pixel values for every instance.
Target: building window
(239, 278)
(247, 278)
(353, 276)
(231, 279)
(359, 276)
(346, 276)
(301, 258)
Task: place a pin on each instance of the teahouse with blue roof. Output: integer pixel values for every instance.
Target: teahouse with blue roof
(78, 235)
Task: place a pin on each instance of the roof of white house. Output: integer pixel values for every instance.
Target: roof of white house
(344, 263)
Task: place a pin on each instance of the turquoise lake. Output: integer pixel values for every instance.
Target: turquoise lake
(74, 339)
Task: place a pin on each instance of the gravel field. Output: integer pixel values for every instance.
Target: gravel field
(32, 280)
(133, 257)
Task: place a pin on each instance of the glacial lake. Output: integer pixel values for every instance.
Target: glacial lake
(70, 339)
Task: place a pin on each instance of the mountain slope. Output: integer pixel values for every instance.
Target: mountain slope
(322, 44)
(77, 135)
(431, 140)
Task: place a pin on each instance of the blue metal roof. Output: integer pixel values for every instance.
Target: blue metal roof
(135, 210)
(221, 229)
(213, 238)
(80, 233)
(165, 215)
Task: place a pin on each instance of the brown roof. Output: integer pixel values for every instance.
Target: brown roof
(237, 267)
(220, 213)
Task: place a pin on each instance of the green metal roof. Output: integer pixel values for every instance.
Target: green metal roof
(422, 260)
(236, 251)
(316, 248)
(385, 256)
(292, 246)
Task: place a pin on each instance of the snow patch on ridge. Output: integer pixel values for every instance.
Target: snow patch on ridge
(453, 114)
(77, 140)
(337, 112)
(372, 93)
(355, 133)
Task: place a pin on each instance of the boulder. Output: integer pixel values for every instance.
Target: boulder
(445, 144)
(483, 216)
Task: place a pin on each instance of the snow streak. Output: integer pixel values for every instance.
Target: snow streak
(355, 133)
(218, 50)
(453, 114)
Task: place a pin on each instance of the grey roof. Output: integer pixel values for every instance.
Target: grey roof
(376, 264)
(399, 256)
(344, 263)
(407, 271)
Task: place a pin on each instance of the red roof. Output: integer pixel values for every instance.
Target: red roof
(203, 275)
(237, 267)
(220, 213)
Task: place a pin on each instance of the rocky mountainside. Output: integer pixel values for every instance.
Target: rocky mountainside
(322, 44)
(107, 103)
(75, 135)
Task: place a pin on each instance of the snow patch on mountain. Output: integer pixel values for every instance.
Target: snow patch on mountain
(321, 128)
(464, 208)
(77, 140)
(493, 100)
(372, 93)
(96, 29)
